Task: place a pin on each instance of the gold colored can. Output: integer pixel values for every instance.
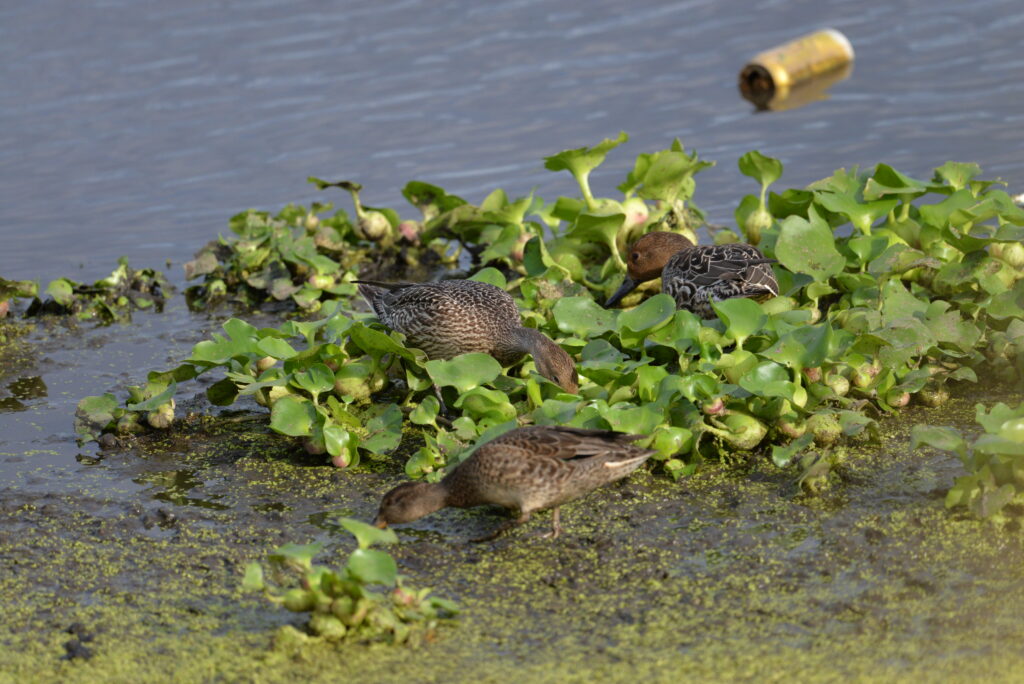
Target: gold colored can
(802, 68)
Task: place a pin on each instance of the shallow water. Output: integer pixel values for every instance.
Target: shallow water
(137, 129)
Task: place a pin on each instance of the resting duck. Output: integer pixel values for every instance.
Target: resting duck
(697, 275)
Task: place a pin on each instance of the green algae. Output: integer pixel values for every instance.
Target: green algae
(735, 573)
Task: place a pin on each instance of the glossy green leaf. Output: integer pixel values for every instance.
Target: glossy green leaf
(463, 372)
(807, 246)
(293, 416)
(373, 567)
(367, 535)
(765, 170)
(583, 317)
(742, 317)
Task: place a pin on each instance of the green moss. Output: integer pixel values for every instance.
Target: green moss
(731, 574)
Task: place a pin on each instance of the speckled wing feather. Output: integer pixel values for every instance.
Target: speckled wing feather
(539, 467)
(446, 318)
(698, 276)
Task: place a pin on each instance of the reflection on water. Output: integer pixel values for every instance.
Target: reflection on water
(173, 485)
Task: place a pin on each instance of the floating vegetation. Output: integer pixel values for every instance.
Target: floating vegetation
(343, 604)
(108, 300)
(994, 461)
(890, 287)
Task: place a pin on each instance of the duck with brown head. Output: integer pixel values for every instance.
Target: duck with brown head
(697, 275)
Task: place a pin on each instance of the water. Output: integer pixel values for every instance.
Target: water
(138, 128)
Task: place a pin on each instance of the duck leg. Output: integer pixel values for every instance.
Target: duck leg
(504, 527)
(556, 527)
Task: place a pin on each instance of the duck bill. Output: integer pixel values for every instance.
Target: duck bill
(628, 285)
(380, 523)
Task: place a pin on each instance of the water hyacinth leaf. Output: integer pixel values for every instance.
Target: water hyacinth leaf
(426, 411)
(803, 347)
(253, 578)
(765, 170)
(275, 347)
(367, 535)
(742, 317)
(316, 380)
(376, 343)
(463, 372)
(681, 334)
(808, 246)
(373, 567)
(897, 302)
(385, 430)
(639, 420)
(95, 414)
(888, 181)
(602, 229)
(430, 199)
(862, 216)
(292, 416)
(670, 441)
(583, 317)
(1008, 304)
(648, 381)
(768, 379)
(581, 161)
(298, 555)
(782, 456)
(491, 276)
(62, 290)
(155, 401)
(223, 392)
(668, 175)
(241, 341)
(956, 174)
(993, 419)
(648, 316)
(338, 440)
(483, 403)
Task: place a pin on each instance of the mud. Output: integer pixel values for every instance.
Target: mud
(736, 573)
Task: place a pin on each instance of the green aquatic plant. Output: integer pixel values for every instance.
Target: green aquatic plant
(365, 600)
(107, 300)
(994, 461)
(876, 309)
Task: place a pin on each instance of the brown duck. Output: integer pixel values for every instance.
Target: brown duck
(527, 469)
(697, 275)
(453, 317)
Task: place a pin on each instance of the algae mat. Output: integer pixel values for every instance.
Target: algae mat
(735, 574)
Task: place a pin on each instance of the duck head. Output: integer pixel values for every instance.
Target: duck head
(647, 257)
(410, 501)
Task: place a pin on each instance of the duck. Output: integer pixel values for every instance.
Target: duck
(526, 469)
(697, 275)
(453, 317)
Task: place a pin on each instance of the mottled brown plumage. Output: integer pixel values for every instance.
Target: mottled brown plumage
(697, 275)
(453, 317)
(527, 469)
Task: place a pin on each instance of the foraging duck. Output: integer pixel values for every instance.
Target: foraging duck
(453, 317)
(527, 469)
(697, 275)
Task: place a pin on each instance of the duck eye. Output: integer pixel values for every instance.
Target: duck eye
(634, 256)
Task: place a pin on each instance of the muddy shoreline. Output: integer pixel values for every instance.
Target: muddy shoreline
(735, 573)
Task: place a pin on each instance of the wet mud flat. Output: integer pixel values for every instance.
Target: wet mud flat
(733, 574)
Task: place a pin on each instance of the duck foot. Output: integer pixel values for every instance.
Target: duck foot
(556, 527)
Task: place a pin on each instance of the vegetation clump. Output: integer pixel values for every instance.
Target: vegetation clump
(994, 461)
(890, 288)
(344, 604)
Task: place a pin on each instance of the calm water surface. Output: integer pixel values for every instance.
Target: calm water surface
(137, 128)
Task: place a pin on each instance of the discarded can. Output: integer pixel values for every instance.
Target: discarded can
(797, 72)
